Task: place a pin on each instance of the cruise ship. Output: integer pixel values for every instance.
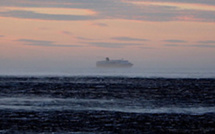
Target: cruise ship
(114, 63)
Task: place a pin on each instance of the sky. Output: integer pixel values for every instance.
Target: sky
(43, 35)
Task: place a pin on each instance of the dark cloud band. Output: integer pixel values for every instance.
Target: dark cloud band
(128, 39)
(43, 43)
(113, 9)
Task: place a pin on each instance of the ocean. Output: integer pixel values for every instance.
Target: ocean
(107, 104)
(116, 72)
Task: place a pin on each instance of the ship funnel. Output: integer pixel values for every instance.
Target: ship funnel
(107, 59)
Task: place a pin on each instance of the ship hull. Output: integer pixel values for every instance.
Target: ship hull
(106, 65)
(114, 63)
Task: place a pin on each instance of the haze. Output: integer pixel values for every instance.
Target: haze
(60, 35)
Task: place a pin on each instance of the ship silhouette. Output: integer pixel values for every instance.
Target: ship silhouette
(114, 63)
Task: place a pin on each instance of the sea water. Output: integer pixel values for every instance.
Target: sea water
(107, 103)
(122, 72)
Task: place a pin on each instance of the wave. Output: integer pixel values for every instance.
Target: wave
(112, 105)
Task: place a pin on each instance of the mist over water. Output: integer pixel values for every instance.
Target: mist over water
(122, 72)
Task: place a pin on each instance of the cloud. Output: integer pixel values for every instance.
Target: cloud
(79, 38)
(196, 45)
(207, 42)
(113, 45)
(204, 46)
(100, 24)
(116, 9)
(209, 2)
(146, 47)
(66, 32)
(43, 43)
(83, 39)
(122, 38)
(1, 35)
(175, 41)
(173, 45)
(41, 16)
(68, 3)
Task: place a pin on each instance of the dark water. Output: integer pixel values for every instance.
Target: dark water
(106, 105)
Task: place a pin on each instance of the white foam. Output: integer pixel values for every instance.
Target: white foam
(112, 105)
